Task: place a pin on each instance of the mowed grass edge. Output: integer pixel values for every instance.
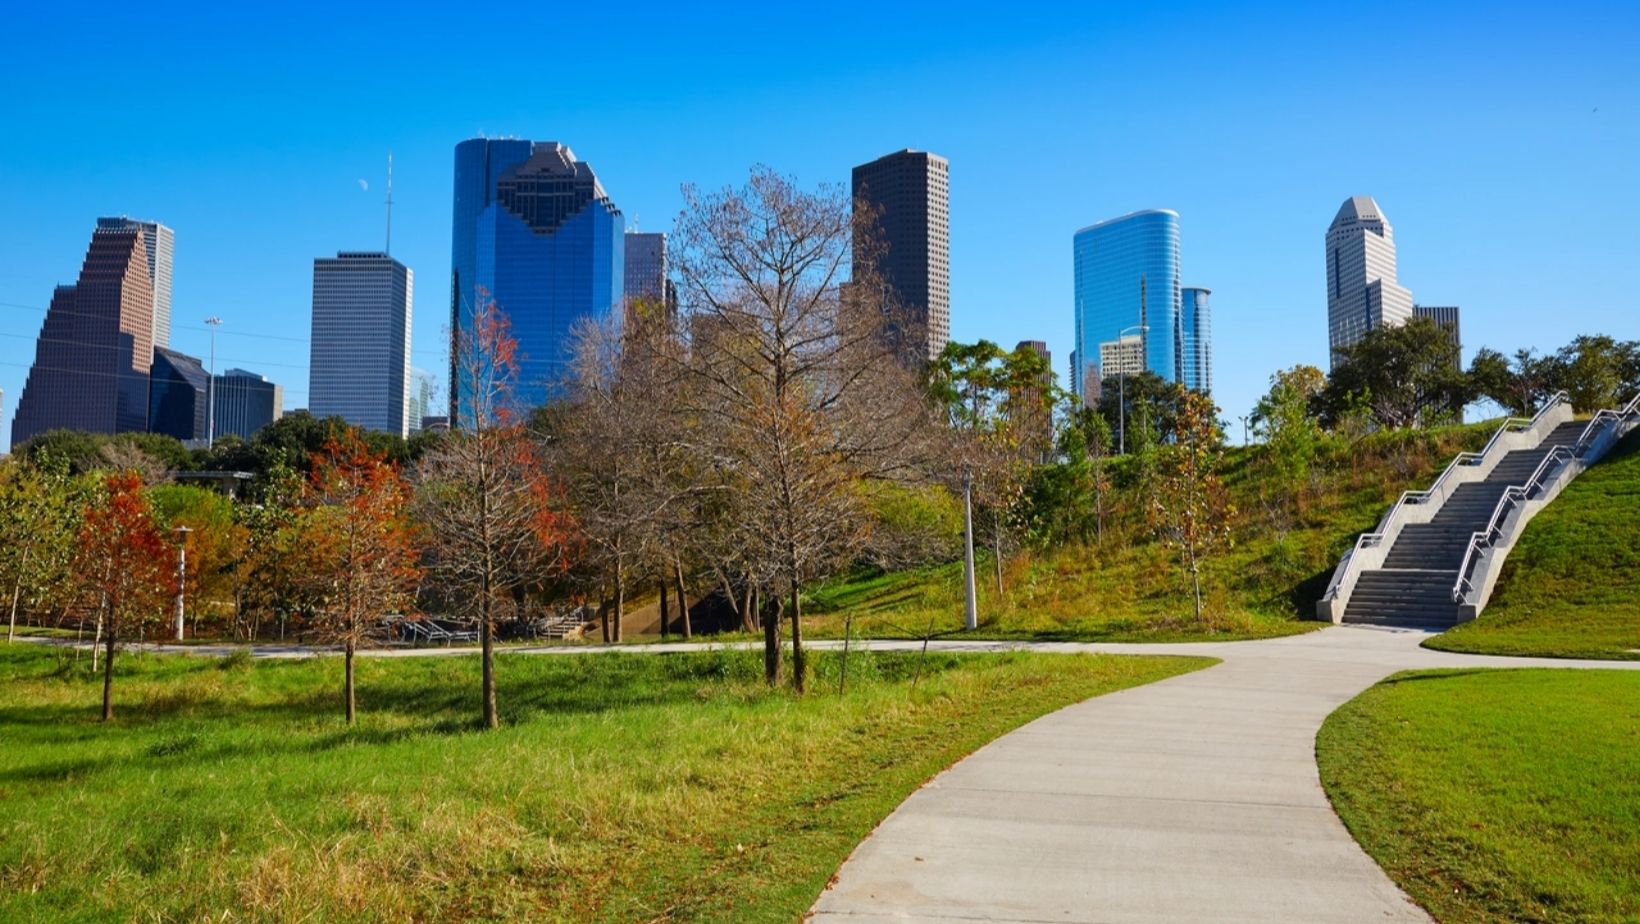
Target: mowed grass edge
(624, 787)
(1496, 795)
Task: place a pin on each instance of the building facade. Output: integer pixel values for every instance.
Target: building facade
(911, 194)
(1446, 318)
(1196, 339)
(96, 347)
(178, 396)
(359, 366)
(535, 232)
(646, 271)
(1362, 292)
(1127, 285)
(244, 403)
(159, 246)
(1123, 356)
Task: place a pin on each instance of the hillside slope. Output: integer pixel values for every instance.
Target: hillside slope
(1129, 586)
(1571, 586)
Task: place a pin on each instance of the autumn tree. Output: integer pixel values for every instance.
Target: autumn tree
(265, 579)
(492, 526)
(125, 567)
(796, 378)
(1190, 509)
(359, 545)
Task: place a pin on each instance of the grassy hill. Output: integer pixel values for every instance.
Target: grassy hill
(1571, 586)
(1129, 587)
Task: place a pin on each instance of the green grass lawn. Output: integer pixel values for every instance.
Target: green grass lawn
(1571, 586)
(623, 787)
(1496, 796)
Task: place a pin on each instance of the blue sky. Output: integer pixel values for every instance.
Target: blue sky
(1501, 139)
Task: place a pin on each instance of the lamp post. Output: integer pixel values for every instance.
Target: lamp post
(182, 572)
(970, 613)
(210, 389)
(1244, 430)
(1121, 388)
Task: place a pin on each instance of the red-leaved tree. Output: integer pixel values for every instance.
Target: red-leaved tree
(493, 522)
(360, 544)
(125, 565)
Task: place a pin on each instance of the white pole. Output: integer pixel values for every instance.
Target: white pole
(970, 616)
(182, 573)
(210, 390)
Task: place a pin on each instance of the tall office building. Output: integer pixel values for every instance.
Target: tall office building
(244, 403)
(1446, 318)
(360, 353)
(159, 244)
(421, 397)
(96, 345)
(911, 192)
(1196, 339)
(646, 270)
(1361, 290)
(535, 231)
(1127, 286)
(178, 395)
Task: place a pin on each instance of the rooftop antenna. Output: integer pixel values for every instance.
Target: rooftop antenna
(389, 248)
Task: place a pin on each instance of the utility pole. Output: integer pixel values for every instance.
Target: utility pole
(182, 572)
(970, 613)
(210, 388)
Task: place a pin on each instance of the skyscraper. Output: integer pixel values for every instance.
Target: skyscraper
(360, 351)
(1127, 286)
(421, 397)
(96, 345)
(1196, 339)
(1446, 318)
(646, 270)
(911, 192)
(178, 393)
(1361, 290)
(535, 231)
(245, 403)
(159, 244)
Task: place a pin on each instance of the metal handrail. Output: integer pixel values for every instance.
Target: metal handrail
(1372, 539)
(1511, 495)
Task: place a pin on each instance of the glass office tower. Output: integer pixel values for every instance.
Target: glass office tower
(1196, 339)
(178, 395)
(535, 231)
(1127, 277)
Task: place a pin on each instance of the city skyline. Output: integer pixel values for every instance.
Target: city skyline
(1031, 133)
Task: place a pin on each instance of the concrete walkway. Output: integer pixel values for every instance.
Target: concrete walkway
(1192, 799)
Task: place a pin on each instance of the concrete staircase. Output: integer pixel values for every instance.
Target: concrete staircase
(1414, 586)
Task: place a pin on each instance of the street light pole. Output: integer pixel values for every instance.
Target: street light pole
(970, 613)
(1121, 389)
(1244, 430)
(182, 572)
(210, 390)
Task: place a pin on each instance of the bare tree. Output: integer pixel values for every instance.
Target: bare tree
(483, 492)
(797, 381)
(1191, 509)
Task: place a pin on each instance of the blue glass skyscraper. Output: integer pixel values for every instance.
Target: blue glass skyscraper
(535, 231)
(1196, 339)
(1127, 278)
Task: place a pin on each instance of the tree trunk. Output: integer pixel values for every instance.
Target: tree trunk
(749, 610)
(16, 590)
(347, 681)
(108, 677)
(1196, 585)
(683, 600)
(771, 643)
(603, 618)
(666, 613)
(799, 662)
(486, 637)
(996, 553)
(620, 604)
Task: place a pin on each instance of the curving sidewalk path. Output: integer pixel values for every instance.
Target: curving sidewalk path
(1192, 799)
